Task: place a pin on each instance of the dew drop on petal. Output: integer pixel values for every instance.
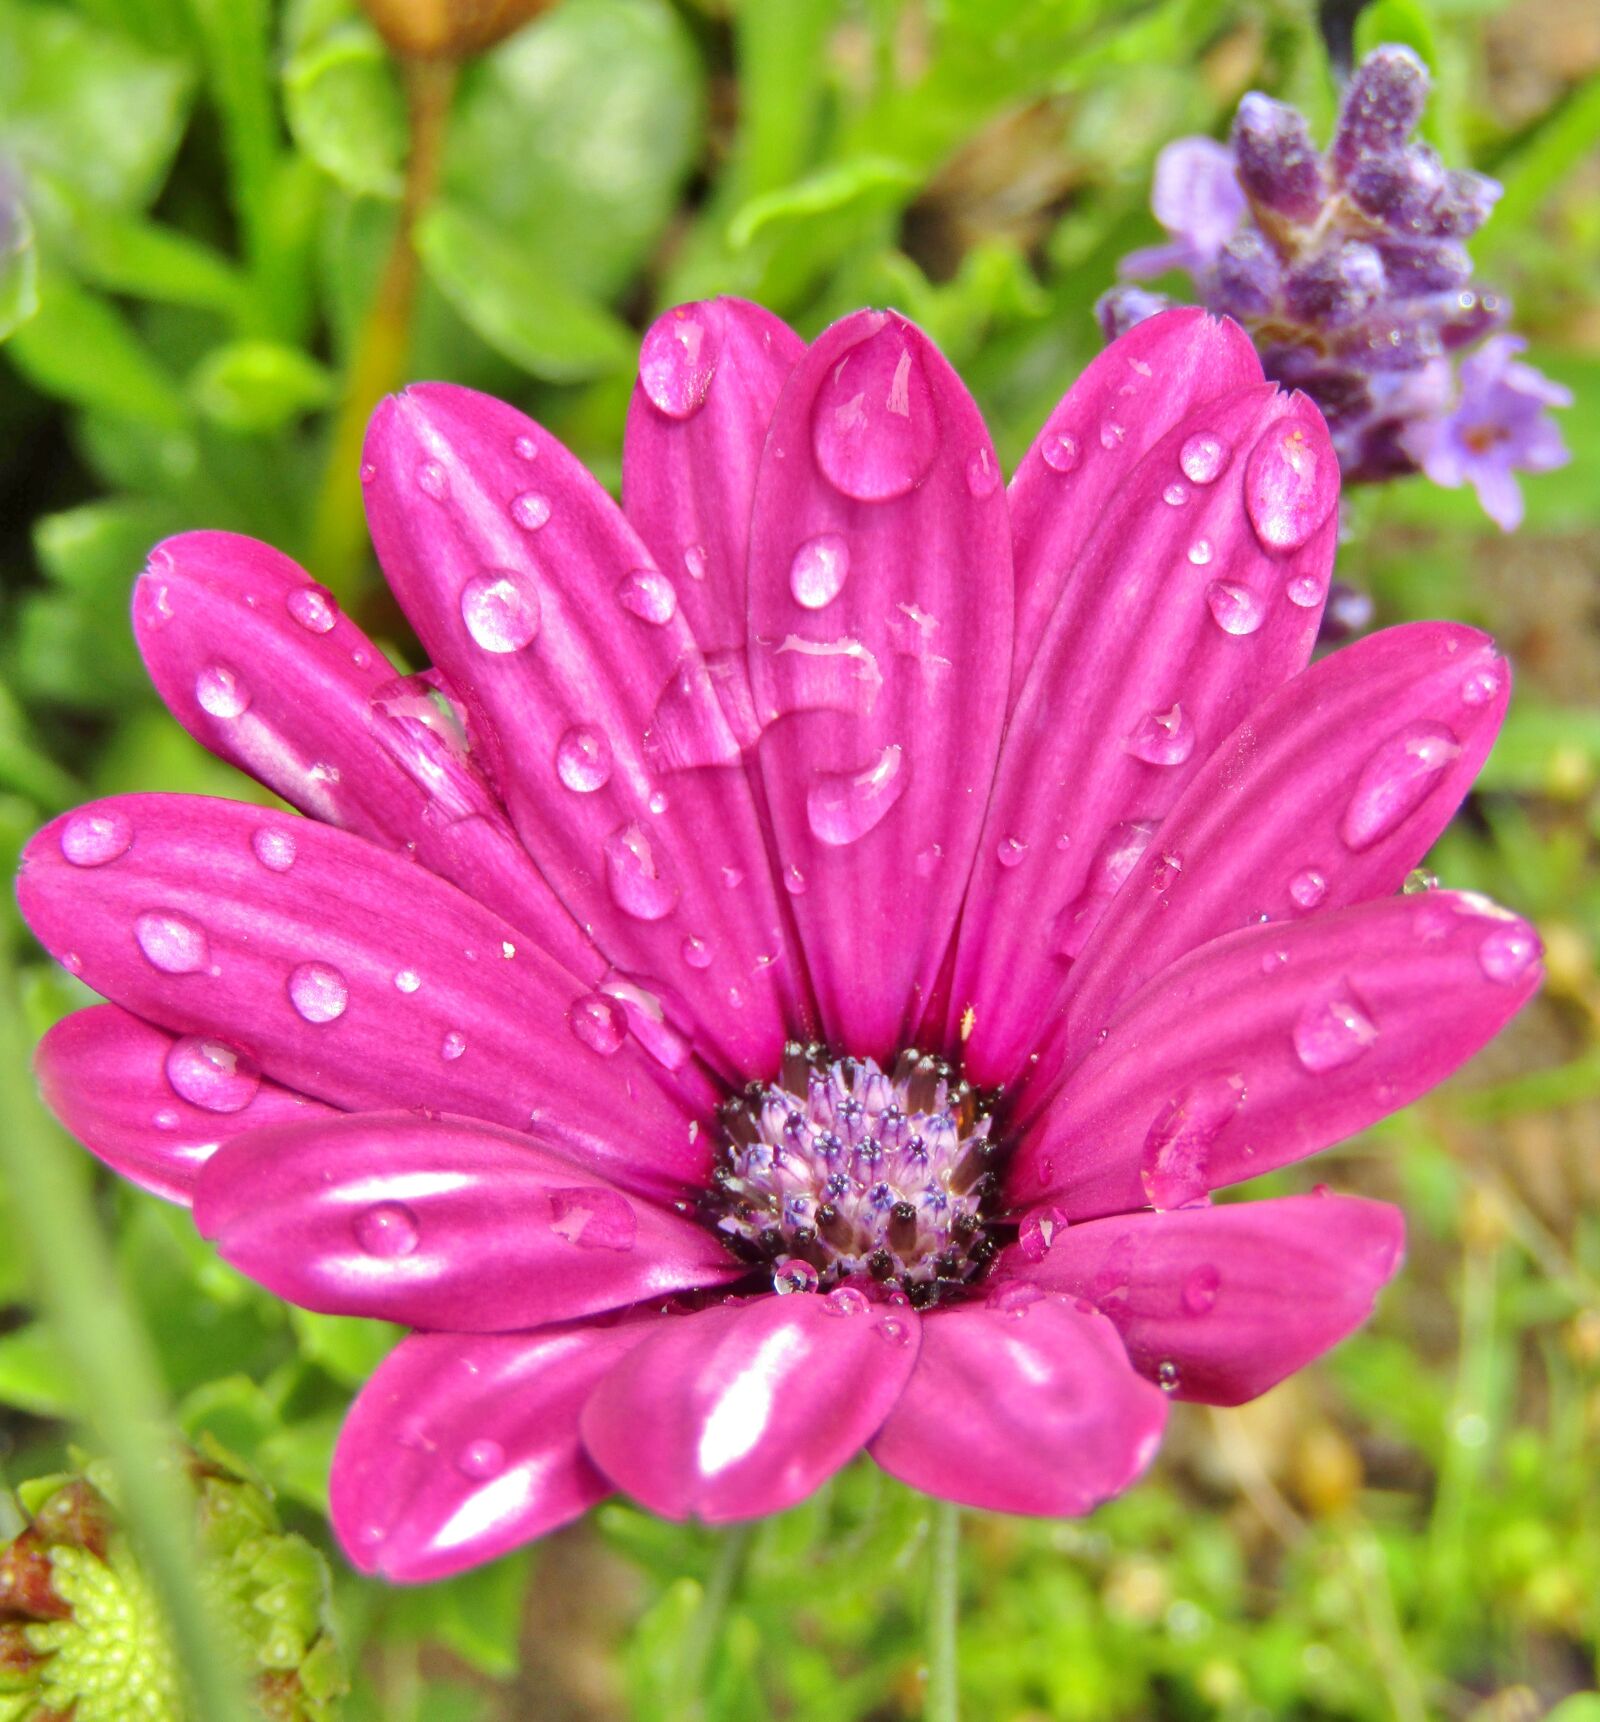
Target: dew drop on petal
(1167, 1377)
(694, 561)
(1111, 434)
(171, 942)
(1038, 1232)
(1508, 952)
(600, 1023)
(1395, 780)
(583, 760)
(637, 884)
(1290, 485)
(222, 692)
(318, 991)
(211, 1074)
(1060, 451)
(843, 806)
(407, 980)
(1235, 609)
(1011, 851)
(501, 610)
(1203, 457)
(678, 359)
(1305, 590)
(530, 510)
(1200, 552)
(481, 1460)
(387, 1230)
(1332, 1032)
(432, 480)
(1175, 495)
(794, 881)
(795, 1275)
(274, 847)
(1308, 888)
(696, 952)
(525, 448)
(895, 1329)
(845, 1301)
(1480, 685)
(1015, 1298)
(454, 1044)
(817, 573)
(983, 473)
(368, 472)
(314, 608)
(1162, 738)
(1200, 1289)
(1177, 1149)
(91, 838)
(874, 427)
(649, 595)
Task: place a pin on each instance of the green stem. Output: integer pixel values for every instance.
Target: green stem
(705, 1632)
(109, 1356)
(943, 1701)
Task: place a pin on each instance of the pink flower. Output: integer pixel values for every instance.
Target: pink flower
(828, 738)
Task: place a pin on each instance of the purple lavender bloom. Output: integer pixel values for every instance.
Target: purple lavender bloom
(1499, 427)
(1349, 272)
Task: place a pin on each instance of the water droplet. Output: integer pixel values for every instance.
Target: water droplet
(658, 802)
(318, 991)
(525, 448)
(1305, 590)
(874, 427)
(583, 760)
(896, 1329)
(92, 838)
(649, 595)
(1060, 452)
(222, 692)
(432, 480)
(696, 952)
(455, 1043)
(694, 560)
(983, 473)
(794, 881)
(481, 1459)
(1290, 485)
(678, 359)
(1235, 609)
(845, 1301)
(407, 980)
(530, 510)
(314, 608)
(274, 847)
(1111, 434)
(843, 806)
(1011, 851)
(368, 472)
(1508, 952)
(928, 860)
(1175, 495)
(171, 942)
(1308, 888)
(1200, 552)
(211, 1074)
(1015, 1298)
(1200, 1289)
(387, 1230)
(1177, 1150)
(795, 1275)
(1167, 1377)
(600, 1023)
(638, 886)
(1038, 1232)
(1162, 738)
(1396, 779)
(1480, 685)
(1203, 457)
(501, 610)
(1332, 1032)
(1165, 871)
(817, 573)
(732, 878)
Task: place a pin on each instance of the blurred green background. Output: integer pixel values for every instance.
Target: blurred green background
(201, 291)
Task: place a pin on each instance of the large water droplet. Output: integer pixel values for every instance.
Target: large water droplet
(1508, 952)
(817, 573)
(318, 991)
(1060, 451)
(1162, 738)
(1037, 1234)
(1308, 888)
(501, 610)
(795, 1275)
(1011, 852)
(600, 1023)
(649, 595)
(845, 1301)
(222, 692)
(211, 1074)
(1177, 1151)
(1167, 1377)
(525, 448)
(638, 885)
(274, 847)
(1396, 779)
(874, 428)
(1203, 457)
(1200, 1289)
(92, 838)
(1479, 686)
(678, 359)
(842, 806)
(1290, 485)
(387, 1230)
(172, 942)
(1306, 591)
(1200, 552)
(583, 760)
(433, 480)
(983, 473)
(530, 510)
(481, 1460)
(407, 980)
(314, 608)
(696, 952)
(453, 1045)
(1235, 609)
(1334, 1031)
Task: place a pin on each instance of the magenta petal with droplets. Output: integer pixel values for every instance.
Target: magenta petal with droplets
(1219, 1304)
(156, 1106)
(749, 1406)
(442, 1223)
(1024, 1404)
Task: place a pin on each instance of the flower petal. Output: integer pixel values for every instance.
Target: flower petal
(1146, 382)
(155, 1106)
(880, 616)
(596, 715)
(1219, 1304)
(709, 378)
(1270, 1043)
(443, 1224)
(1191, 603)
(1022, 1405)
(746, 1408)
(464, 1446)
(259, 664)
(1328, 794)
(351, 975)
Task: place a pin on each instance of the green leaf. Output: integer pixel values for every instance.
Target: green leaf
(343, 99)
(479, 1614)
(295, 1460)
(19, 263)
(518, 306)
(235, 37)
(1541, 161)
(33, 1377)
(863, 180)
(259, 386)
(88, 104)
(348, 1347)
(1405, 23)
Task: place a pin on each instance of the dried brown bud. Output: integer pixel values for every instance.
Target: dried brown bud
(449, 29)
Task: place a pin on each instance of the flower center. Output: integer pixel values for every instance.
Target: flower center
(841, 1170)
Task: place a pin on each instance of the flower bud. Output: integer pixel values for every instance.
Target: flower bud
(1278, 164)
(1382, 106)
(449, 29)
